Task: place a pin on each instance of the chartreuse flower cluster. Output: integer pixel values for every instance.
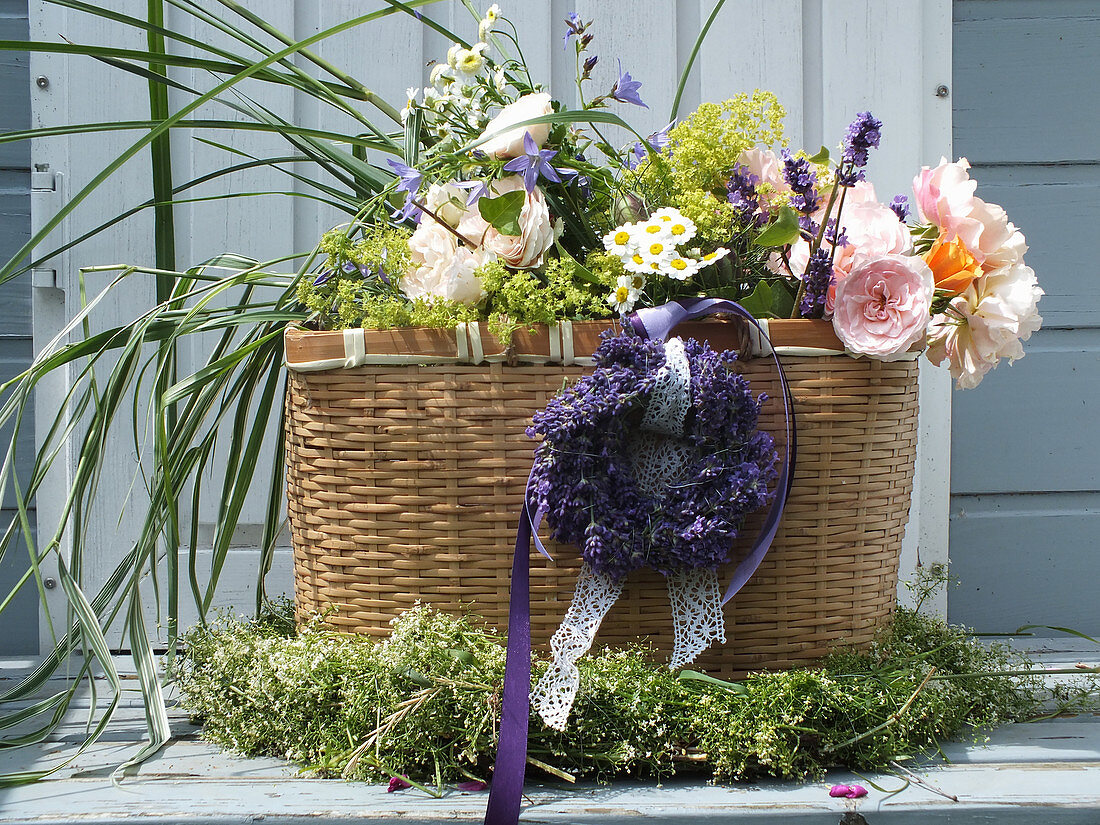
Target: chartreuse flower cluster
(424, 702)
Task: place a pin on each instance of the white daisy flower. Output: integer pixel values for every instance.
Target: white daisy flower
(656, 249)
(653, 228)
(468, 62)
(680, 228)
(680, 269)
(619, 240)
(492, 13)
(712, 257)
(624, 296)
(411, 94)
(452, 55)
(440, 75)
(634, 262)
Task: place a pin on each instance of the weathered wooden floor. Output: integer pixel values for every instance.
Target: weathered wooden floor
(1041, 772)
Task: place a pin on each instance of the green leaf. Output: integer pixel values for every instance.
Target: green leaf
(822, 156)
(759, 302)
(502, 212)
(782, 231)
(703, 680)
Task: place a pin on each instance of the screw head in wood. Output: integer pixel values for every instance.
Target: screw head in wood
(942, 91)
(42, 82)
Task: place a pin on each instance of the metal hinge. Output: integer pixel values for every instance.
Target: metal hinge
(47, 196)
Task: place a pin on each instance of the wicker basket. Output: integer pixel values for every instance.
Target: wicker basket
(404, 482)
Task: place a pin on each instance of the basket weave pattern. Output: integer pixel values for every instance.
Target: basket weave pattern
(404, 485)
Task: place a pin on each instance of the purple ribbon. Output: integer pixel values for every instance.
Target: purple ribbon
(506, 791)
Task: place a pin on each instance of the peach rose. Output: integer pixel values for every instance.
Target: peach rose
(509, 143)
(882, 306)
(953, 267)
(522, 251)
(441, 267)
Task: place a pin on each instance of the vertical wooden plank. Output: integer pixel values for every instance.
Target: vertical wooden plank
(881, 58)
(754, 44)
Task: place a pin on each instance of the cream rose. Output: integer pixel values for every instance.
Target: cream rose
(882, 306)
(509, 143)
(447, 201)
(522, 251)
(986, 323)
(441, 267)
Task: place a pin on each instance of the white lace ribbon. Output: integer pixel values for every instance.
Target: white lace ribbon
(697, 619)
(553, 696)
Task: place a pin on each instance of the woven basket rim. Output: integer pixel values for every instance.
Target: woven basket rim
(568, 342)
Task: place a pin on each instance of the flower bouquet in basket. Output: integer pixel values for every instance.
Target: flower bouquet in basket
(512, 213)
(513, 221)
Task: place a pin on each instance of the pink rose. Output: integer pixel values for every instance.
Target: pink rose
(872, 229)
(521, 251)
(441, 267)
(509, 143)
(882, 306)
(987, 234)
(945, 192)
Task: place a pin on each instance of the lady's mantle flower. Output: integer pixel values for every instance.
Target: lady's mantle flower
(625, 295)
(626, 88)
(533, 163)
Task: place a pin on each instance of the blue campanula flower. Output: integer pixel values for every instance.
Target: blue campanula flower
(573, 26)
(533, 163)
(626, 88)
(410, 178)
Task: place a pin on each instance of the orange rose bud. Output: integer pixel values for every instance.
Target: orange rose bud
(953, 267)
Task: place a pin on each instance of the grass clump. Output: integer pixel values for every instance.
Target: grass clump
(425, 703)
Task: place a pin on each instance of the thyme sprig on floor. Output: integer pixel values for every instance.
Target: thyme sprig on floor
(425, 703)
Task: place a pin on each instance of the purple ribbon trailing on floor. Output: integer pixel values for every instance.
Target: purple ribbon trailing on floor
(506, 791)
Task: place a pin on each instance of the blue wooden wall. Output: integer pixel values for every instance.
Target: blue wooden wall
(1025, 461)
(20, 626)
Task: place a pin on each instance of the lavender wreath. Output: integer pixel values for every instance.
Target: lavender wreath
(583, 475)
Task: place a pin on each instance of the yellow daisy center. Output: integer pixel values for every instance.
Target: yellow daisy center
(622, 294)
(656, 249)
(622, 237)
(665, 218)
(653, 230)
(679, 263)
(638, 259)
(638, 282)
(678, 229)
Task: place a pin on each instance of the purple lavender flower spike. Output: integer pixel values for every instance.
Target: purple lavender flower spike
(802, 179)
(863, 134)
(900, 205)
(744, 197)
(410, 178)
(626, 88)
(818, 277)
(532, 163)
